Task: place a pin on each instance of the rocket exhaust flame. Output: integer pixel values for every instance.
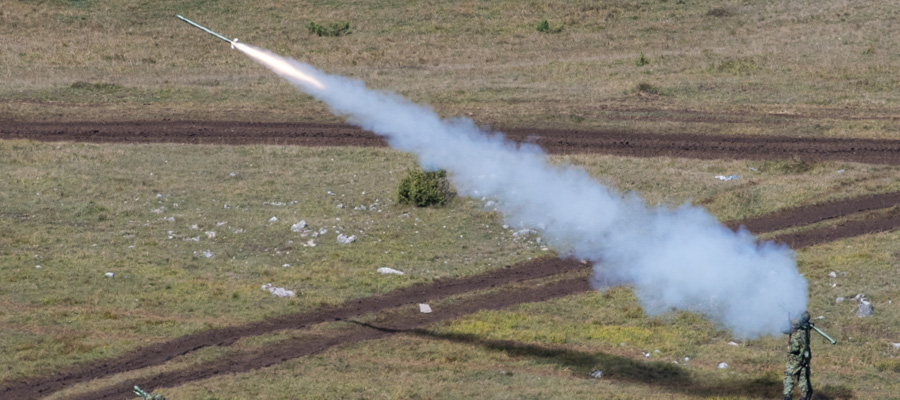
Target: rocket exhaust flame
(277, 64)
(675, 258)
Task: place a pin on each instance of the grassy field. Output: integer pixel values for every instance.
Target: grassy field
(629, 65)
(146, 213)
(189, 236)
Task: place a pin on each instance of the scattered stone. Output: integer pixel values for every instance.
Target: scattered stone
(865, 308)
(597, 374)
(686, 359)
(896, 345)
(646, 354)
(820, 317)
(221, 223)
(109, 274)
(233, 174)
(727, 178)
(310, 243)
(285, 265)
(340, 205)
(723, 365)
(273, 220)
(278, 291)
(346, 239)
(388, 271)
(733, 343)
(195, 227)
(298, 226)
(832, 274)
(210, 234)
(330, 193)
(424, 309)
(207, 254)
(839, 299)
(159, 195)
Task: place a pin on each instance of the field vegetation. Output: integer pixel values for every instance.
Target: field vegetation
(109, 248)
(189, 235)
(834, 60)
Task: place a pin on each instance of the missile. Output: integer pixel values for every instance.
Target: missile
(204, 29)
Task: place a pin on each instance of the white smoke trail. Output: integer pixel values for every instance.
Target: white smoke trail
(679, 258)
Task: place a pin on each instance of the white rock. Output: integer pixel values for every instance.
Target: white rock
(388, 271)
(298, 226)
(330, 193)
(727, 178)
(221, 223)
(310, 243)
(207, 254)
(832, 274)
(646, 354)
(109, 274)
(38, 266)
(273, 220)
(159, 195)
(210, 234)
(820, 317)
(723, 365)
(733, 343)
(233, 174)
(285, 265)
(424, 309)
(278, 291)
(346, 239)
(865, 309)
(597, 374)
(896, 345)
(686, 359)
(839, 299)
(195, 227)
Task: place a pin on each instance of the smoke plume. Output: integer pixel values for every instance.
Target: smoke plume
(675, 258)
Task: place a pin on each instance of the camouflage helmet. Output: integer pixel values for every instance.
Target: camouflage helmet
(804, 317)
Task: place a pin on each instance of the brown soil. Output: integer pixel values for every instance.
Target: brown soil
(389, 308)
(871, 151)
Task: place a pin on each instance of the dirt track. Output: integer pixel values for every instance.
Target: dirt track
(553, 141)
(530, 277)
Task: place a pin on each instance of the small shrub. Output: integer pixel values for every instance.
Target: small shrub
(642, 61)
(644, 87)
(719, 12)
(424, 188)
(544, 27)
(332, 29)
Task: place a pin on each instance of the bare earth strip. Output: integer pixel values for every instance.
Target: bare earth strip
(542, 268)
(633, 144)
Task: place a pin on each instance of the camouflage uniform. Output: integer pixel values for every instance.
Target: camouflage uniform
(798, 359)
(147, 396)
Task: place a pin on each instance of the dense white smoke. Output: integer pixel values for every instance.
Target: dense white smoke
(680, 258)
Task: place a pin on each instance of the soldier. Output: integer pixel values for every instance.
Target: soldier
(147, 396)
(798, 358)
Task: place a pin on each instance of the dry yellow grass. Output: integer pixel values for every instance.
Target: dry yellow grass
(830, 60)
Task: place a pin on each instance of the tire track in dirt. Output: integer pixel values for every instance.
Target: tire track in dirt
(873, 151)
(305, 346)
(542, 268)
(161, 352)
(301, 347)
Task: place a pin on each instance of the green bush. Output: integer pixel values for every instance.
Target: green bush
(339, 28)
(642, 61)
(544, 27)
(424, 188)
